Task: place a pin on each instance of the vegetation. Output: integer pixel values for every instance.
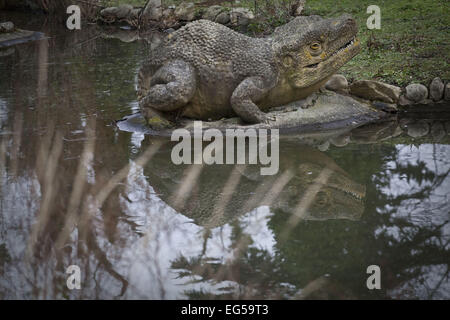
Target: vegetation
(412, 45)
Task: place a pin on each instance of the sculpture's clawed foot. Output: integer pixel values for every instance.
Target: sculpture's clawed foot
(268, 119)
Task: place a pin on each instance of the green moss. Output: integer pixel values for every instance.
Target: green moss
(159, 123)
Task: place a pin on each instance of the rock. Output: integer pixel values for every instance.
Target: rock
(417, 129)
(374, 90)
(386, 107)
(223, 17)
(123, 11)
(297, 7)
(403, 101)
(436, 89)
(416, 92)
(447, 92)
(6, 27)
(109, 12)
(329, 108)
(114, 13)
(185, 11)
(438, 130)
(241, 16)
(153, 10)
(153, 4)
(212, 12)
(337, 83)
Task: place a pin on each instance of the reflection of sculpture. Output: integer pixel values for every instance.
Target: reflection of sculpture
(309, 184)
(153, 38)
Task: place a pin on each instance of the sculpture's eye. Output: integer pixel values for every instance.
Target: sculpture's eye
(315, 46)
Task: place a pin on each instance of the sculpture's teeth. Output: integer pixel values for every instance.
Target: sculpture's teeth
(348, 44)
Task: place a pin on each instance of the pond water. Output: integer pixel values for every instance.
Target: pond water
(75, 189)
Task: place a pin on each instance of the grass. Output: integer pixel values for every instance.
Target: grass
(411, 46)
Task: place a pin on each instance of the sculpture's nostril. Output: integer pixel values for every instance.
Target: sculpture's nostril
(347, 19)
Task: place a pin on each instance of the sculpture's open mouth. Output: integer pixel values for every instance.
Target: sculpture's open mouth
(353, 42)
(346, 48)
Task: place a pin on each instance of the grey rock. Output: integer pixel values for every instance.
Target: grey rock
(6, 27)
(154, 3)
(297, 7)
(329, 108)
(120, 12)
(185, 11)
(223, 17)
(337, 83)
(403, 101)
(108, 12)
(374, 90)
(418, 129)
(416, 92)
(436, 89)
(241, 16)
(153, 10)
(386, 107)
(212, 12)
(123, 11)
(447, 92)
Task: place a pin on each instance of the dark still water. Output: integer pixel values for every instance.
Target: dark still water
(75, 189)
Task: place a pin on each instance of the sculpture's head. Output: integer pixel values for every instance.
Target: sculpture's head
(310, 49)
(315, 194)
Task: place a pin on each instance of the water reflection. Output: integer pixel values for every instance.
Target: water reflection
(77, 190)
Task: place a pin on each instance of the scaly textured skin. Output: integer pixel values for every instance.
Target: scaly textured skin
(208, 71)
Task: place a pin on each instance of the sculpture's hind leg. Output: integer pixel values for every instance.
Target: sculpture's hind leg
(171, 87)
(242, 100)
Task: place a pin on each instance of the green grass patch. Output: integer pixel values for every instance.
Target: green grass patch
(412, 45)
